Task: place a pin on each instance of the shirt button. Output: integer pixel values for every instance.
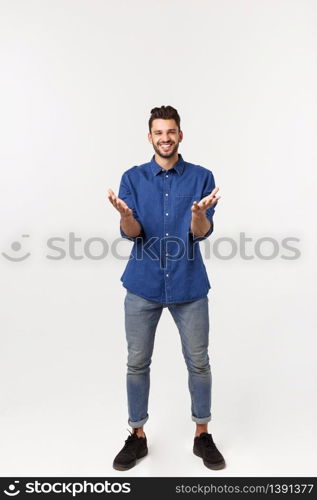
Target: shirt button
(166, 254)
(166, 194)
(166, 175)
(166, 234)
(166, 213)
(167, 275)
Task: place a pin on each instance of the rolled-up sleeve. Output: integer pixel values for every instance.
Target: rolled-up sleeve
(125, 194)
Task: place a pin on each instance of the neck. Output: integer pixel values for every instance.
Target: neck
(166, 163)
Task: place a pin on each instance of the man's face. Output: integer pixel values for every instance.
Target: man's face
(165, 137)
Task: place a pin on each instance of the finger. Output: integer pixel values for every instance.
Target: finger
(214, 191)
(212, 194)
(212, 202)
(112, 197)
(195, 206)
(121, 204)
(111, 194)
(215, 199)
(111, 200)
(126, 212)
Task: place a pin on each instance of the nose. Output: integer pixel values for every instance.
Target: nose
(165, 138)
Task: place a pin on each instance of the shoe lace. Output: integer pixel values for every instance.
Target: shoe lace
(130, 438)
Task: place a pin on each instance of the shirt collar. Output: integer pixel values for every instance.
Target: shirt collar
(178, 167)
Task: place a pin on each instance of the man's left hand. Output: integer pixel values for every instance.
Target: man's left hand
(199, 207)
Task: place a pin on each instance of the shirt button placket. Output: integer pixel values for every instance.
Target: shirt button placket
(166, 215)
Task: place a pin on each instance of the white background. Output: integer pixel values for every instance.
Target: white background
(78, 81)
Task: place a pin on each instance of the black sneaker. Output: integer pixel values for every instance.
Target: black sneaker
(135, 447)
(205, 448)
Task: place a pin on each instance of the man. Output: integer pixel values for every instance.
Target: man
(166, 208)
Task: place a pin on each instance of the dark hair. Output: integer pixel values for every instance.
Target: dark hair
(166, 113)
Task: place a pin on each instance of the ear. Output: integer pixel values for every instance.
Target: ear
(180, 136)
(149, 137)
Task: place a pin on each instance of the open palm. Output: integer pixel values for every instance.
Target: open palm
(208, 201)
(119, 204)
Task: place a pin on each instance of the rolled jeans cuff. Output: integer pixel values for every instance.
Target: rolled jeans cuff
(140, 423)
(203, 420)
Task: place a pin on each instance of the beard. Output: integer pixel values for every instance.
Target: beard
(163, 154)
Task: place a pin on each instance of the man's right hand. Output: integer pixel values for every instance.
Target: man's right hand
(129, 225)
(119, 204)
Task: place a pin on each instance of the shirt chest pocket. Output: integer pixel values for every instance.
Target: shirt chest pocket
(183, 203)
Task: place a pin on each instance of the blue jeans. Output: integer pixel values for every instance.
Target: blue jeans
(192, 320)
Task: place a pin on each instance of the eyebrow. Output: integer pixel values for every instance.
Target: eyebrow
(169, 130)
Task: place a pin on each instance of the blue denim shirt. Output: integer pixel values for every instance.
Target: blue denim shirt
(165, 264)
